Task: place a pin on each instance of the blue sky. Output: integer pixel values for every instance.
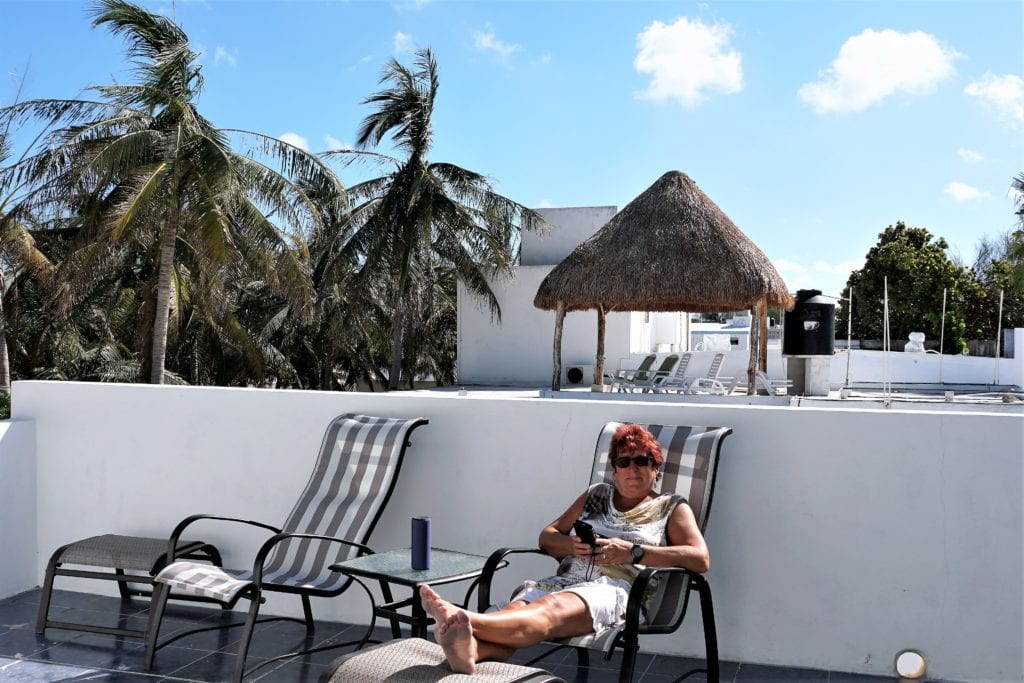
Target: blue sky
(813, 125)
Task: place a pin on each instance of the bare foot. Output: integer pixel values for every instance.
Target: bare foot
(436, 606)
(455, 636)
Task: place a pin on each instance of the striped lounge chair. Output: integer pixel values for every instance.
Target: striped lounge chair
(351, 483)
(691, 462)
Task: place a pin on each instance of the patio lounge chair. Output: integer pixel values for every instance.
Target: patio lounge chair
(624, 379)
(351, 483)
(770, 386)
(712, 383)
(691, 462)
(668, 365)
(677, 381)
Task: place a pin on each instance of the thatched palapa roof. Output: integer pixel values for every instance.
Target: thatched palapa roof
(670, 249)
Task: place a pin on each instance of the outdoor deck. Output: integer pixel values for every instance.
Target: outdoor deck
(75, 656)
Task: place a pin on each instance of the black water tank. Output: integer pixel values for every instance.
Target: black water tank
(810, 328)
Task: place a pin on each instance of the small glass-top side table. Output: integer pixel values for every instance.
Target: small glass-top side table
(395, 567)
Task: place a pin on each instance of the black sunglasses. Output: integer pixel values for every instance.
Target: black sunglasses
(622, 462)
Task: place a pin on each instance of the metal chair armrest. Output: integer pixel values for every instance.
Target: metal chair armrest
(635, 604)
(496, 561)
(261, 556)
(636, 599)
(188, 521)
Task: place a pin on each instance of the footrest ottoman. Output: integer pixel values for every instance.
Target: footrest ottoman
(414, 660)
(142, 555)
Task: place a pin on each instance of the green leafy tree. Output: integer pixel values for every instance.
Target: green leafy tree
(144, 167)
(1016, 250)
(918, 270)
(64, 333)
(983, 311)
(994, 270)
(18, 255)
(423, 215)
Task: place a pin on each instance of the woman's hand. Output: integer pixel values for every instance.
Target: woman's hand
(580, 549)
(613, 551)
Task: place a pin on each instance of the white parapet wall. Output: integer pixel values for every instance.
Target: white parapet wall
(838, 537)
(18, 550)
(929, 368)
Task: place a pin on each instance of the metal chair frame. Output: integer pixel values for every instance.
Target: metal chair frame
(254, 592)
(628, 638)
(197, 550)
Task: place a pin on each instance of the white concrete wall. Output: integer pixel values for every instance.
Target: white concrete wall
(518, 351)
(874, 366)
(569, 227)
(865, 366)
(18, 550)
(838, 537)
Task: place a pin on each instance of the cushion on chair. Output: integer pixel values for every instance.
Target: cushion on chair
(202, 580)
(415, 660)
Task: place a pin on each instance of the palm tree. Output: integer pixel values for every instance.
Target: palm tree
(151, 170)
(18, 254)
(422, 213)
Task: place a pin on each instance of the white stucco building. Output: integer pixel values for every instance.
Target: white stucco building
(518, 351)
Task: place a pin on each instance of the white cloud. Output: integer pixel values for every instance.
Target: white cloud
(295, 140)
(543, 204)
(873, 65)
(403, 43)
(484, 40)
(1003, 94)
(687, 60)
(221, 54)
(963, 192)
(362, 60)
(969, 155)
(334, 143)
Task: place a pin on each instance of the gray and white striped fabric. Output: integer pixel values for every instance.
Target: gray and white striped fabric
(691, 456)
(352, 479)
(202, 580)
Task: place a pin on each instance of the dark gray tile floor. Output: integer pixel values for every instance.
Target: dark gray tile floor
(209, 657)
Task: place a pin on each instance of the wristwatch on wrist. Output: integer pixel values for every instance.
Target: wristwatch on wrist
(637, 552)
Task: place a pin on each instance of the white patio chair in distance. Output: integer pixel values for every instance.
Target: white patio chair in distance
(712, 383)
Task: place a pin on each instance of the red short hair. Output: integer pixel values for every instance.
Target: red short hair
(635, 439)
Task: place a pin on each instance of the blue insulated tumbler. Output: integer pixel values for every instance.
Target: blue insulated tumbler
(421, 542)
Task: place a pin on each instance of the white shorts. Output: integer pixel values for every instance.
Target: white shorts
(605, 598)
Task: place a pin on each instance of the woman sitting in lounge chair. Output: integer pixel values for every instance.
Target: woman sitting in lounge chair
(635, 528)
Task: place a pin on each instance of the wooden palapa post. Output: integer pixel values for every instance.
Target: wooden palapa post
(763, 339)
(599, 361)
(556, 375)
(755, 347)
